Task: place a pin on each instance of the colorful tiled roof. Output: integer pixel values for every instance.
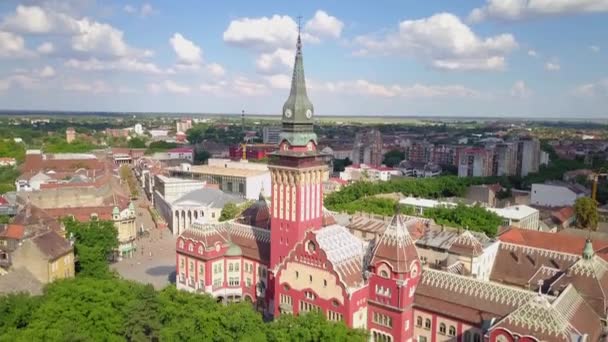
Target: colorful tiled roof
(395, 246)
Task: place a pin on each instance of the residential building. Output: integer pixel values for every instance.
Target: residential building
(270, 135)
(556, 194)
(183, 125)
(171, 188)
(410, 168)
(419, 152)
(70, 134)
(356, 172)
(368, 148)
(308, 262)
(485, 193)
(505, 159)
(475, 162)
(47, 256)
(244, 179)
(252, 151)
(528, 156)
(333, 184)
(183, 153)
(117, 132)
(520, 216)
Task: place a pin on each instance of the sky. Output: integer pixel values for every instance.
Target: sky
(491, 58)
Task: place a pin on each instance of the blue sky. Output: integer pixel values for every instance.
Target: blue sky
(518, 58)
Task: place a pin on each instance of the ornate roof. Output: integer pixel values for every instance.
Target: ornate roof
(466, 244)
(345, 252)
(482, 290)
(207, 233)
(566, 318)
(395, 246)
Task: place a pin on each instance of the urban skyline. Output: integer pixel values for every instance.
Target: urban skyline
(483, 59)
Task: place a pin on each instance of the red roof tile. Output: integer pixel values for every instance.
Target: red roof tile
(550, 241)
(13, 231)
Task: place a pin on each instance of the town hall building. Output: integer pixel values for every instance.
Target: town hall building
(289, 256)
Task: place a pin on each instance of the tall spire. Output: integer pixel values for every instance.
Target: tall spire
(298, 110)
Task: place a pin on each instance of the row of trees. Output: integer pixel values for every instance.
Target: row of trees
(8, 175)
(98, 306)
(109, 309)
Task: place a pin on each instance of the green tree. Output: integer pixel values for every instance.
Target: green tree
(311, 327)
(95, 243)
(229, 212)
(201, 156)
(393, 158)
(142, 322)
(586, 213)
(137, 142)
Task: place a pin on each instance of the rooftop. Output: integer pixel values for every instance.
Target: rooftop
(222, 171)
(514, 212)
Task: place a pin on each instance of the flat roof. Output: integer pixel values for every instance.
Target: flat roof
(222, 171)
(425, 202)
(514, 212)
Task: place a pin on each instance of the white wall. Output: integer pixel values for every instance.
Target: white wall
(482, 265)
(552, 195)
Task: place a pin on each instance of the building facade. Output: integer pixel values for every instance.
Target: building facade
(556, 194)
(368, 148)
(475, 162)
(305, 261)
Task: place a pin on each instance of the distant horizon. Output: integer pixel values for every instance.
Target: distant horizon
(53, 112)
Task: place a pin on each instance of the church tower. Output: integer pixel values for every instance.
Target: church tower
(297, 171)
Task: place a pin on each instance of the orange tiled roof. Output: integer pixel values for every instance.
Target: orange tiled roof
(13, 231)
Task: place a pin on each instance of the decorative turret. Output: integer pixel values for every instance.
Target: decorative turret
(588, 250)
(115, 213)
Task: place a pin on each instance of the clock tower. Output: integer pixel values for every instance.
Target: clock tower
(297, 171)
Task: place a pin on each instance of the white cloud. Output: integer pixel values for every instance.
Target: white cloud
(445, 41)
(122, 64)
(216, 70)
(522, 9)
(47, 72)
(95, 87)
(262, 34)
(217, 89)
(367, 88)
(187, 52)
(324, 25)
(532, 53)
(552, 66)
(279, 81)
(86, 35)
(276, 61)
(520, 90)
(46, 48)
(143, 11)
(247, 87)
(176, 88)
(12, 45)
(594, 48)
(168, 86)
(267, 34)
(38, 20)
(599, 88)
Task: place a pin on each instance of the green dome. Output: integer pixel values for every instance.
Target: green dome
(588, 251)
(116, 211)
(234, 250)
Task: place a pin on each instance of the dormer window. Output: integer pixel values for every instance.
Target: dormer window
(383, 274)
(311, 247)
(181, 244)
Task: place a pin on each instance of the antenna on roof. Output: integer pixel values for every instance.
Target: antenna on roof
(299, 24)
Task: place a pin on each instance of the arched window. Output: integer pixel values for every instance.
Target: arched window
(442, 328)
(476, 337)
(384, 274)
(418, 321)
(200, 249)
(181, 244)
(190, 248)
(452, 331)
(427, 324)
(467, 336)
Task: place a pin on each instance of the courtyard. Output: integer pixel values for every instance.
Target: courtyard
(153, 261)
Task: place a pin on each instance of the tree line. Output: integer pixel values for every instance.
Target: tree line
(97, 305)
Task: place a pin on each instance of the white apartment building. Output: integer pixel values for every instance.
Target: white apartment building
(521, 216)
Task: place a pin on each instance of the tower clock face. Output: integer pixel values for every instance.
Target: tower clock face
(287, 113)
(308, 114)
